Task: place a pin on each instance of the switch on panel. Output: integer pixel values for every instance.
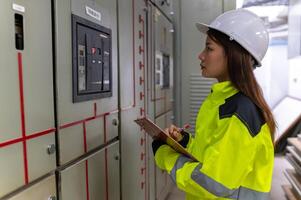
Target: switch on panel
(162, 72)
(92, 68)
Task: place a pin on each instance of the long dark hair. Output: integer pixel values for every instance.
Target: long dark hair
(240, 68)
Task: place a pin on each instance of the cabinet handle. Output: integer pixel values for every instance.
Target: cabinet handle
(115, 122)
(51, 198)
(51, 149)
(116, 156)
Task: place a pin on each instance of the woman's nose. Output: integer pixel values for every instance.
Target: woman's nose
(201, 56)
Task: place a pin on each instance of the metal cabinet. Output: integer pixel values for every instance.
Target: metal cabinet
(162, 30)
(96, 176)
(94, 34)
(27, 103)
(162, 69)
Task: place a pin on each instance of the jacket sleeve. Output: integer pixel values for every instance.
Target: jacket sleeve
(225, 164)
(187, 139)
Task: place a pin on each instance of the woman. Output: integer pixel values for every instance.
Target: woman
(234, 129)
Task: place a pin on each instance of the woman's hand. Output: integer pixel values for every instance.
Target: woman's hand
(174, 132)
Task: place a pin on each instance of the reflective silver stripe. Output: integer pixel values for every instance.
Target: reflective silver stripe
(211, 185)
(220, 190)
(248, 194)
(178, 165)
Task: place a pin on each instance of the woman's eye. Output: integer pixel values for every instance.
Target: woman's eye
(208, 49)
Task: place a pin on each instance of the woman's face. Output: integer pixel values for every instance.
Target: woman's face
(214, 61)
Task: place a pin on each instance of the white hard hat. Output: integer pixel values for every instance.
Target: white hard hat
(245, 28)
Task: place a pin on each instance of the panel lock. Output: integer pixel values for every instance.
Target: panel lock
(115, 122)
(116, 156)
(51, 149)
(52, 198)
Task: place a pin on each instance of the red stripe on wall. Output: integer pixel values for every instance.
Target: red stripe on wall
(11, 142)
(87, 119)
(105, 129)
(34, 135)
(45, 132)
(85, 137)
(25, 162)
(22, 112)
(106, 157)
(86, 162)
(75, 123)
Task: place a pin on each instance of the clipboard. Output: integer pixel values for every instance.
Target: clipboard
(157, 133)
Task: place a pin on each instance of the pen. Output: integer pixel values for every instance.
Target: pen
(186, 126)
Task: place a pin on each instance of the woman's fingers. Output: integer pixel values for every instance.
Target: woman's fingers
(174, 132)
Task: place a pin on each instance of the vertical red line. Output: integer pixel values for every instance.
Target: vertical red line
(145, 78)
(152, 66)
(106, 157)
(145, 108)
(85, 137)
(20, 68)
(105, 128)
(86, 162)
(134, 65)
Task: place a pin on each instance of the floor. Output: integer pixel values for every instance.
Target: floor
(278, 179)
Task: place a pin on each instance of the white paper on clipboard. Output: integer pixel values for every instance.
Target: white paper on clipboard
(157, 133)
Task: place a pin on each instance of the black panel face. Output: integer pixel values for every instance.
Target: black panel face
(92, 60)
(19, 34)
(166, 71)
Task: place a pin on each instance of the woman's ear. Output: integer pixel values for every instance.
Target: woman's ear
(254, 64)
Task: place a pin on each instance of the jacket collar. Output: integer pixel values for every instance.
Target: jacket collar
(222, 90)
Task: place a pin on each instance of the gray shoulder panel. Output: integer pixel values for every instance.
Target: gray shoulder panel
(242, 106)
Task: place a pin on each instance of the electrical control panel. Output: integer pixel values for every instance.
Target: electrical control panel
(92, 60)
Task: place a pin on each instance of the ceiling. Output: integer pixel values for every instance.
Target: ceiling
(273, 12)
(250, 3)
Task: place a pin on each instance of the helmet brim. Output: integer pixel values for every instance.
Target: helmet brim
(203, 28)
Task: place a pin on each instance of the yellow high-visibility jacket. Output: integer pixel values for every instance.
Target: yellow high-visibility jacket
(233, 146)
